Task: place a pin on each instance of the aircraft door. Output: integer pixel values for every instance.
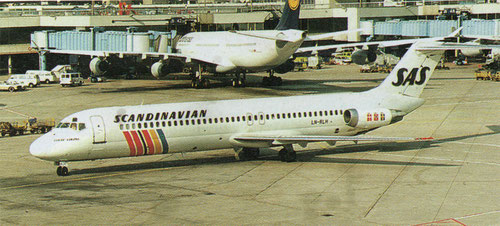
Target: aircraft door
(98, 129)
(249, 119)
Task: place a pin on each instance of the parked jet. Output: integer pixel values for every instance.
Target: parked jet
(245, 125)
(226, 51)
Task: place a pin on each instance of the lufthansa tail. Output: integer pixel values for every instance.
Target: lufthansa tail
(290, 17)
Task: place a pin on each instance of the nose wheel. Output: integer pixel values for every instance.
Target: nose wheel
(62, 169)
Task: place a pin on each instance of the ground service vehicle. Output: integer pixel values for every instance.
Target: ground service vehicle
(31, 80)
(71, 79)
(44, 76)
(11, 87)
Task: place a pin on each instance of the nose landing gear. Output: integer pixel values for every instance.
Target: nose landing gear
(62, 169)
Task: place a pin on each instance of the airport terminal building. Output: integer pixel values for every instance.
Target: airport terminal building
(381, 19)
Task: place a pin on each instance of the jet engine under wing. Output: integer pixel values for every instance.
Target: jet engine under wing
(202, 58)
(280, 140)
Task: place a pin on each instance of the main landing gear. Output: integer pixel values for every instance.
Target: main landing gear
(272, 80)
(287, 154)
(240, 79)
(199, 82)
(246, 154)
(62, 169)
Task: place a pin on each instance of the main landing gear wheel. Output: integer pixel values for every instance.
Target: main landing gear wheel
(287, 154)
(272, 80)
(239, 80)
(246, 154)
(62, 169)
(200, 84)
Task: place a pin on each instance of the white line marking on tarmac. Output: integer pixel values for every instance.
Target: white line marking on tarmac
(492, 145)
(439, 159)
(478, 214)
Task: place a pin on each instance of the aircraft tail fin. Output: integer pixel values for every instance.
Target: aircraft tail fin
(290, 17)
(413, 71)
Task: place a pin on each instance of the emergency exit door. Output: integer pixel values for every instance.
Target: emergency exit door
(98, 129)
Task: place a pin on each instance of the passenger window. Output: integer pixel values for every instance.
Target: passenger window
(169, 123)
(243, 118)
(300, 115)
(157, 124)
(255, 118)
(249, 118)
(331, 112)
(216, 120)
(187, 122)
(151, 125)
(121, 126)
(294, 115)
(175, 123)
(315, 113)
(232, 119)
(320, 113)
(238, 118)
(145, 125)
(227, 119)
(193, 122)
(133, 126)
(336, 112)
(340, 111)
(210, 121)
(139, 125)
(278, 116)
(199, 121)
(163, 124)
(181, 123)
(126, 126)
(310, 114)
(204, 121)
(267, 117)
(289, 115)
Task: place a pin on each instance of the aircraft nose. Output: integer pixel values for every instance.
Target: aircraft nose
(40, 148)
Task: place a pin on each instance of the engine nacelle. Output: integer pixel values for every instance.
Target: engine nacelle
(98, 66)
(369, 119)
(288, 66)
(472, 52)
(363, 57)
(224, 69)
(159, 69)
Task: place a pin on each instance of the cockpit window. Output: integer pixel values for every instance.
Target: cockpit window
(81, 126)
(75, 126)
(63, 125)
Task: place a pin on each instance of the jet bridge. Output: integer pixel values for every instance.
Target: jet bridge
(99, 40)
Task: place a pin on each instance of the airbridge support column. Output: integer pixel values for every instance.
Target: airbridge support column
(352, 24)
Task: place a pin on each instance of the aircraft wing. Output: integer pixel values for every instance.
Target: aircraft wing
(206, 58)
(331, 35)
(379, 44)
(300, 139)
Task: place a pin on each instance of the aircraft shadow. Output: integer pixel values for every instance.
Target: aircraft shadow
(303, 156)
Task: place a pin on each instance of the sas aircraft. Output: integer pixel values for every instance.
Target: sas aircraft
(226, 51)
(245, 125)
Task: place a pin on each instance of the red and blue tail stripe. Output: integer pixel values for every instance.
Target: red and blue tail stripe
(146, 142)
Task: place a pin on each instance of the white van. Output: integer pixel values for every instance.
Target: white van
(71, 79)
(31, 80)
(45, 76)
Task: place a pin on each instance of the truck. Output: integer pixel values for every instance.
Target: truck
(32, 125)
(44, 76)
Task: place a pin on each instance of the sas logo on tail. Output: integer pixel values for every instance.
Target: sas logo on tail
(411, 77)
(293, 4)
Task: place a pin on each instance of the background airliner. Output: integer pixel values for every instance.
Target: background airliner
(235, 52)
(245, 125)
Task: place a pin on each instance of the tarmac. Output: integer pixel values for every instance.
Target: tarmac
(452, 180)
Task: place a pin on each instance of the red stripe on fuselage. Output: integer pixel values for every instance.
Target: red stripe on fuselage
(138, 143)
(130, 143)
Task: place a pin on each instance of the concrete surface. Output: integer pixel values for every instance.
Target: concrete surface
(452, 180)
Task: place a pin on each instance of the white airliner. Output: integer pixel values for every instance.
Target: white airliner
(245, 125)
(227, 51)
